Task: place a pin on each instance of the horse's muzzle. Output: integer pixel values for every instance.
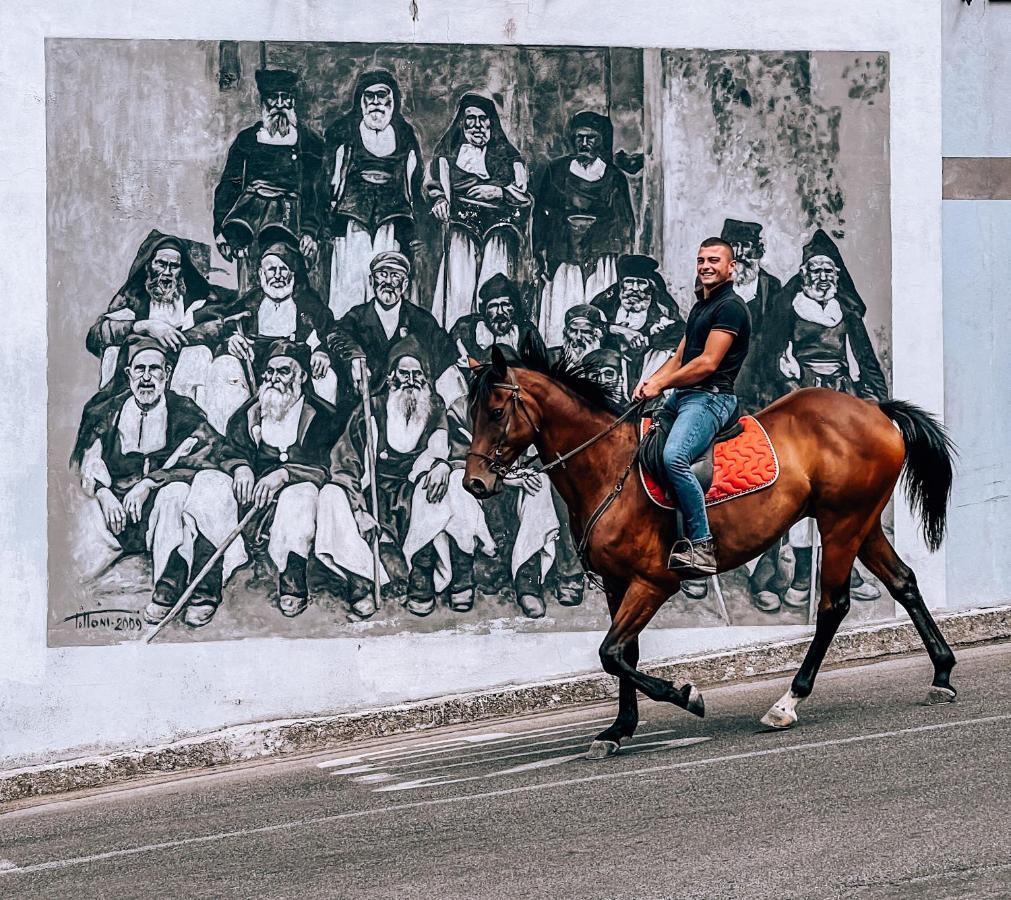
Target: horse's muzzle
(481, 487)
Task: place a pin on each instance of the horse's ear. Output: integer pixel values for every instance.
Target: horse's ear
(473, 363)
(498, 362)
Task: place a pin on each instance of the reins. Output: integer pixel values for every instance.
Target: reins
(497, 466)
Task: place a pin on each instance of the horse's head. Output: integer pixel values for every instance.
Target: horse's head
(504, 424)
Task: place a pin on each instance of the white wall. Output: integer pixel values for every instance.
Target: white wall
(55, 702)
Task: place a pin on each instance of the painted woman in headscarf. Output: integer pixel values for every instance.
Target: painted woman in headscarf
(477, 185)
(373, 171)
(583, 221)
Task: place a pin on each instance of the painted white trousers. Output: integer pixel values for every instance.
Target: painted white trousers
(464, 267)
(349, 267)
(567, 289)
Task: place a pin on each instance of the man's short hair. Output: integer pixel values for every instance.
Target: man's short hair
(718, 242)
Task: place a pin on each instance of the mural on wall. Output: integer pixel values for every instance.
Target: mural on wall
(269, 265)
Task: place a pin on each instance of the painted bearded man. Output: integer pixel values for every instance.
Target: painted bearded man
(270, 185)
(137, 451)
(756, 384)
(582, 222)
(164, 298)
(478, 189)
(500, 320)
(283, 305)
(644, 324)
(429, 526)
(374, 176)
(584, 330)
(274, 459)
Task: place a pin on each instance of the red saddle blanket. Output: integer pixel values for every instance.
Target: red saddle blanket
(742, 465)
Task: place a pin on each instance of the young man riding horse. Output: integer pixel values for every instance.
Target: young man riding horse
(702, 373)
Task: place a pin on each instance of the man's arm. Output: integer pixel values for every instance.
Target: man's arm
(112, 327)
(672, 374)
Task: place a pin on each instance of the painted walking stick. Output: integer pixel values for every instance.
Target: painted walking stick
(192, 586)
(370, 462)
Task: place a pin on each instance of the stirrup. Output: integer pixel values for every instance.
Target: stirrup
(693, 557)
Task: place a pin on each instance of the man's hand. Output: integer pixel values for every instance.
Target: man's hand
(485, 192)
(789, 367)
(168, 336)
(268, 486)
(242, 485)
(307, 244)
(224, 248)
(136, 497)
(436, 481)
(366, 523)
(112, 510)
(646, 390)
(320, 364)
(440, 210)
(240, 347)
(528, 480)
(635, 339)
(660, 325)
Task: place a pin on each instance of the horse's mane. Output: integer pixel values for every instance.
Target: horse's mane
(573, 377)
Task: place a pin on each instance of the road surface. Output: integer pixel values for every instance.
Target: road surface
(872, 795)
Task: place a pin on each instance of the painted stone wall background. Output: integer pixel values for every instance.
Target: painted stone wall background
(137, 136)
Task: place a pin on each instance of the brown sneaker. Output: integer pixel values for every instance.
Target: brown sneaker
(697, 557)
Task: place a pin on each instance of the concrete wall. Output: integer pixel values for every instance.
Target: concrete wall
(977, 309)
(59, 702)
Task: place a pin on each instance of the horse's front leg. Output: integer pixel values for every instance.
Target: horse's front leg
(638, 606)
(609, 740)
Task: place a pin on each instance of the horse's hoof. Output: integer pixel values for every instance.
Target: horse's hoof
(696, 705)
(602, 749)
(783, 713)
(938, 694)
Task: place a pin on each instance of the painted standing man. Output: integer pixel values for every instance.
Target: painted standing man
(478, 189)
(702, 372)
(582, 222)
(270, 185)
(165, 298)
(374, 179)
(138, 450)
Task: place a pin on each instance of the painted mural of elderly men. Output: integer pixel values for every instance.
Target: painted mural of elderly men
(369, 330)
(478, 189)
(275, 458)
(137, 451)
(756, 384)
(282, 305)
(164, 298)
(582, 222)
(583, 332)
(422, 503)
(270, 185)
(607, 368)
(374, 178)
(644, 323)
(500, 319)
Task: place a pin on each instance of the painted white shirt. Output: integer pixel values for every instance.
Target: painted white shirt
(282, 434)
(173, 313)
(378, 143)
(747, 292)
(628, 319)
(593, 172)
(389, 318)
(485, 338)
(471, 159)
(143, 431)
(276, 319)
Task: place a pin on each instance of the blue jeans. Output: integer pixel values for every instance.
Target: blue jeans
(700, 415)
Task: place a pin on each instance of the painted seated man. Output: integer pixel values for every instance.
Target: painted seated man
(607, 367)
(164, 298)
(283, 305)
(644, 324)
(584, 331)
(138, 450)
(702, 372)
(275, 459)
(428, 525)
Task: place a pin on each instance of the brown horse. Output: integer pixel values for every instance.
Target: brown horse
(839, 457)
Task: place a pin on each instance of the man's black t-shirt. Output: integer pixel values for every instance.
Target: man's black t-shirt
(723, 311)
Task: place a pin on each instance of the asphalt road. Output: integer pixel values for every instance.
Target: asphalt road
(871, 795)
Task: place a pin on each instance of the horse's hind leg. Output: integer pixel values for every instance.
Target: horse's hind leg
(840, 540)
(880, 557)
(609, 740)
(638, 606)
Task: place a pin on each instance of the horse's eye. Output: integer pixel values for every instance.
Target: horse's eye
(497, 414)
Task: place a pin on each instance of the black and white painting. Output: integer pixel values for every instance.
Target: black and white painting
(270, 263)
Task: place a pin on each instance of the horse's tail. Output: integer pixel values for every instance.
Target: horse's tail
(927, 473)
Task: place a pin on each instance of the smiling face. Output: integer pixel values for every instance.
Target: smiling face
(714, 265)
(377, 106)
(148, 374)
(476, 126)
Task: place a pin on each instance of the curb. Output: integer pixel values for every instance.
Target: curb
(286, 736)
